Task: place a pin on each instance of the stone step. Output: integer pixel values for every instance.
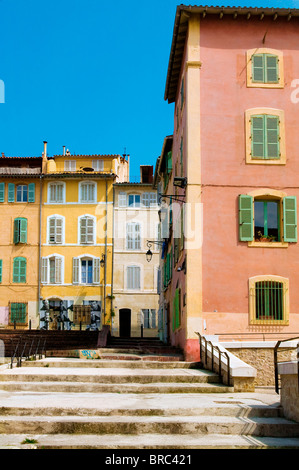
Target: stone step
(144, 441)
(113, 361)
(270, 427)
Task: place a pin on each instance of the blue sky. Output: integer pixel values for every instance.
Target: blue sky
(89, 75)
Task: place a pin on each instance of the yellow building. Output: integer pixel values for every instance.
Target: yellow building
(20, 183)
(77, 239)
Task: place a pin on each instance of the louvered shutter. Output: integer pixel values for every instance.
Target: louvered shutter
(258, 68)
(11, 192)
(272, 136)
(19, 270)
(89, 230)
(290, 218)
(58, 270)
(52, 230)
(122, 199)
(23, 230)
(16, 232)
(31, 192)
(245, 218)
(44, 273)
(58, 233)
(76, 264)
(2, 192)
(257, 137)
(96, 271)
(271, 68)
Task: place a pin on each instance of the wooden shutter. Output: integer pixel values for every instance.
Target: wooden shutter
(258, 74)
(44, 271)
(2, 192)
(257, 137)
(23, 230)
(272, 136)
(290, 218)
(76, 264)
(271, 68)
(16, 231)
(122, 199)
(58, 270)
(96, 271)
(19, 270)
(11, 192)
(245, 218)
(31, 192)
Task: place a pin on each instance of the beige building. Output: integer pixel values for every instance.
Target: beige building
(135, 279)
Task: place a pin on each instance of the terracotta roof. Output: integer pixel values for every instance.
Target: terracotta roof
(182, 16)
(87, 156)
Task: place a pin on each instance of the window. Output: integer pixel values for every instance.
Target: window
(149, 318)
(134, 200)
(56, 193)
(52, 270)
(55, 230)
(20, 231)
(98, 165)
(265, 136)
(149, 199)
(87, 230)
(267, 218)
(265, 68)
(87, 193)
(133, 236)
(86, 270)
(133, 277)
(19, 270)
(22, 193)
(269, 300)
(122, 199)
(18, 313)
(70, 165)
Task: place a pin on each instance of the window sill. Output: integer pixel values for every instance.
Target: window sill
(265, 161)
(270, 322)
(268, 244)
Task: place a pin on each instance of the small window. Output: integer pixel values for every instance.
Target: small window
(20, 231)
(269, 300)
(87, 230)
(267, 220)
(55, 230)
(122, 199)
(70, 165)
(134, 200)
(133, 277)
(133, 236)
(87, 193)
(52, 270)
(149, 199)
(18, 313)
(98, 165)
(86, 270)
(265, 68)
(19, 270)
(22, 193)
(56, 193)
(265, 136)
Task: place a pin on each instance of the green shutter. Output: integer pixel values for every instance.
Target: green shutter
(257, 137)
(23, 230)
(0, 270)
(245, 218)
(176, 310)
(272, 136)
(169, 162)
(271, 68)
(16, 231)
(19, 270)
(2, 191)
(258, 68)
(31, 192)
(11, 192)
(290, 218)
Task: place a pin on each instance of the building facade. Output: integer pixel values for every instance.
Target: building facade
(233, 164)
(136, 224)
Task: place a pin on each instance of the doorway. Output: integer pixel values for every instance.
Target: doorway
(125, 322)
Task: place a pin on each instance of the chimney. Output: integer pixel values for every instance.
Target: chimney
(3, 156)
(45, 149)
(63, 149)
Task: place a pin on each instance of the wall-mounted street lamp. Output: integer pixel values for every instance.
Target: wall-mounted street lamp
(180, 182)
(103, 261)
(149, 254)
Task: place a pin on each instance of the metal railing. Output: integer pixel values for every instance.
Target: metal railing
(276, 362)
(203, 344)
(27, 347)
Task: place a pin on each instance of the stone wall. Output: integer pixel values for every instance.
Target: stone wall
(261, 358)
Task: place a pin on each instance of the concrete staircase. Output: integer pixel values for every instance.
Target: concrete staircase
(148, 402)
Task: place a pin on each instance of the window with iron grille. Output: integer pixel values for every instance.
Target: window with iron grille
(269, 300)
(18, 313)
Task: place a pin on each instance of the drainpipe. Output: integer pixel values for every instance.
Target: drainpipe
(40, 243)
(105, 271)
(112, 267)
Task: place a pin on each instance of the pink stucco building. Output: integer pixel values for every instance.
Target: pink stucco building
(233, 76)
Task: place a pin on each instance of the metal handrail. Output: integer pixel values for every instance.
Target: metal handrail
(20, 352)
(220, 353)
(277, 388)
